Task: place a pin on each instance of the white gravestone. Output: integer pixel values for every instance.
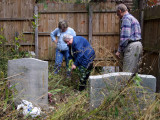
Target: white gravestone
(30, 78)
(102, 86)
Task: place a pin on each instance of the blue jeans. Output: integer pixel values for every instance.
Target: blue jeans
(59, 59)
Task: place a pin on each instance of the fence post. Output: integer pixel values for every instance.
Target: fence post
(36, 29)
(90, 23)
(141, 7)
(158, 80)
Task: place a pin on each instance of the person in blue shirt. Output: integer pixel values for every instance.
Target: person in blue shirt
(83, 56)
(62, 50)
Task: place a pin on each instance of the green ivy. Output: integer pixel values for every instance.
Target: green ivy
(137, 80)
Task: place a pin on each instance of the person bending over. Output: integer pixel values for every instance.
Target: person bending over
(83, 55)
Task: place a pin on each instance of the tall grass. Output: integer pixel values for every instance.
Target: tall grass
(120, 104)
(70, 104)
(7, 52)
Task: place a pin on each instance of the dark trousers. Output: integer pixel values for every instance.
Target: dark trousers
(84, 75)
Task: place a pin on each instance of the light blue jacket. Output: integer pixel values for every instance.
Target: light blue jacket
(61, 45)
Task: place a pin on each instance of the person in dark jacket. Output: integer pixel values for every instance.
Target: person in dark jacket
(83, 56)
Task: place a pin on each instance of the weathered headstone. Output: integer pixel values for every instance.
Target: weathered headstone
(103, 85)
(30, 78)
(110, 69)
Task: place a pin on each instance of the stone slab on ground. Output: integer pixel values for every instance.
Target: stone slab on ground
(102, 86)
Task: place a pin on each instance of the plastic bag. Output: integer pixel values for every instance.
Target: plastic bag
(29, 109)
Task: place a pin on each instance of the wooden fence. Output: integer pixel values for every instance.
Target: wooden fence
(16, 17)
(100, 26)
(97, 22)
(151, 41)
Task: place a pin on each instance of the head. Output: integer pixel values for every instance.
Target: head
(121, 10)
(68, 39)
(63, 25)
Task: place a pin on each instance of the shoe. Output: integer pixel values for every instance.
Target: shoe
(81, 88)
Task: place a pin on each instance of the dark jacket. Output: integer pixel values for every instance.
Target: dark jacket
(82, 52)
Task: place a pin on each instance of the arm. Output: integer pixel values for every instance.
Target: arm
(79, 56)
(54, 34)
(78, 51)
(125, 34)
(74, 33)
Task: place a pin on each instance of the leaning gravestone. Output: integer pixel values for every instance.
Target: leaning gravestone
(30, 78)
(102, 86)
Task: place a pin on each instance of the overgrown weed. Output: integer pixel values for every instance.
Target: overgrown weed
(8, 51)
(119, 104)
(70, 104)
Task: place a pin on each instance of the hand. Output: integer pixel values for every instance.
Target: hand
(118, 54)
(73, 67)
(55, 41)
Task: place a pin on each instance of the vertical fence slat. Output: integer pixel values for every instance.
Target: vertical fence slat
(90, 22)
(36, 30)
(158, 81)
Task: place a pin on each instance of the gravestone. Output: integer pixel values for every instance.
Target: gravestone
(102, 86)
(110, 69)
(30, 78)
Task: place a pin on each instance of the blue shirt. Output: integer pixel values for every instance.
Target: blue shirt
(61, 45)
(130, 30)
(83, 52)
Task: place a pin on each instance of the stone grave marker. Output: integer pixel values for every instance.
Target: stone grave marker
(102, 86)
(110, 69)
(30, 78)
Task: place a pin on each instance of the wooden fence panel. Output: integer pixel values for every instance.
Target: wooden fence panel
(150, 35)
(105, 26)
(11, 27)
(49, 18)
(151, 28)
(151, 41)
(105, 32)
(158, 33)
(16, 17)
